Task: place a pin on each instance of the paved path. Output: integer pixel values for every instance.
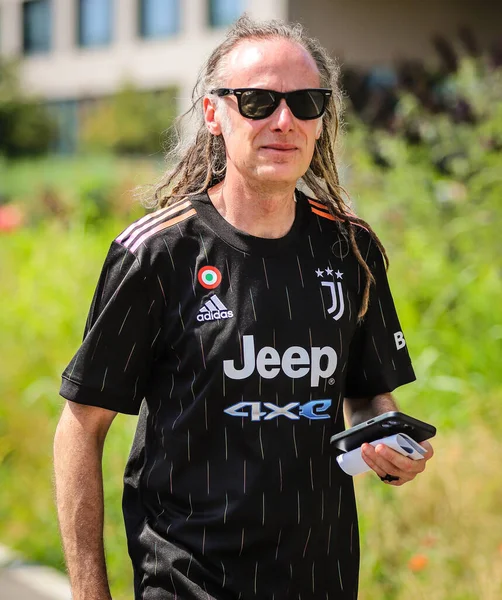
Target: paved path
(13, 588)
(21, 581)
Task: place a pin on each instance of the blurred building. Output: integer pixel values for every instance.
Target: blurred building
(75, 50)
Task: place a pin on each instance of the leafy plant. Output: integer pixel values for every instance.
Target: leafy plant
(129, 122)
(26, 128)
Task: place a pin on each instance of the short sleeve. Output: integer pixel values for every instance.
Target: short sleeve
(111, 368)
(378, 357)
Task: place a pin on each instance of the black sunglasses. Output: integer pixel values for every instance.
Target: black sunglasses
(257, 104)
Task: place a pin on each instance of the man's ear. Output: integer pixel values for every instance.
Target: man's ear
(210, 118)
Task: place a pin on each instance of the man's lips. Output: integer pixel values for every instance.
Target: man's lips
(281, 147)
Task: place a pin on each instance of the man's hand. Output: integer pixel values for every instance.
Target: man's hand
(386, 461)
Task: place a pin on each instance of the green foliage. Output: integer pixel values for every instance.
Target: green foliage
(48, 274)
(437, 210)
(130, 122)
(82, 190)
(73, 208)
(26, 128)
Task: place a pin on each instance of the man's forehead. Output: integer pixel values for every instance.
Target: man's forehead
(257, 59)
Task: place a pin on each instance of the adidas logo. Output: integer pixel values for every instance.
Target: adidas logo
(214, 310)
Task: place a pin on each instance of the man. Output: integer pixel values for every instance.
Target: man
(242, 312)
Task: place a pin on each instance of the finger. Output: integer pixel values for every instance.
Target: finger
(404, 465)
(428, 447)
(383, 460)
(369, 457)
(389, 467)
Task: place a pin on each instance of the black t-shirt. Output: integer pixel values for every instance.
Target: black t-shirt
(243, 349)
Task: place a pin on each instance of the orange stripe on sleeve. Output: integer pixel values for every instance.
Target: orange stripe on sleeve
(325, 215)
(324, 207)
(318, 204)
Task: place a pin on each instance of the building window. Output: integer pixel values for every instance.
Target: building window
(224, 12)
(36, 26)
(158, 18)
(94, 22)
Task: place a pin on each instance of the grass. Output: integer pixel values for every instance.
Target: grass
(439, 537)
(45, 274)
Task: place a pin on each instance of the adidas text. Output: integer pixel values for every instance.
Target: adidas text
(214, 310)
(215, 316)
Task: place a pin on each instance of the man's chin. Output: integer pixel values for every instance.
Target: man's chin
(277, 174)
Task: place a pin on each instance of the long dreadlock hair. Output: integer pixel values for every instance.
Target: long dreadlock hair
(199, 158)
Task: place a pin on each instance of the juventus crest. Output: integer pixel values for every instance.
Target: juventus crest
(335, 304)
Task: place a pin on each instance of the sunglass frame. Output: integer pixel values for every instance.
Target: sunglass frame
(277, 97)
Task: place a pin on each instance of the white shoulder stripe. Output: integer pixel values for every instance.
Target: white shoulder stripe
(147, 218)
(161, 227)
(165, 215)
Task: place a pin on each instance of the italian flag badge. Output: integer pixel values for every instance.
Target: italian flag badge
(209, 277)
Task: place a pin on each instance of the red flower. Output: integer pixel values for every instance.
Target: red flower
(418, 562)
(11, 218)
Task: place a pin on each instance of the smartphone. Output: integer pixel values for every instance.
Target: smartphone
(388, 423)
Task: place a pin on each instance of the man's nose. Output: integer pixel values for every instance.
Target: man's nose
(283, 119)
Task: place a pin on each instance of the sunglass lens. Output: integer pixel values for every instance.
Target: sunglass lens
(257, 104)
(307, 104)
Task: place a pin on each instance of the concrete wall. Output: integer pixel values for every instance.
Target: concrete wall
(369, 32)
(69, 72)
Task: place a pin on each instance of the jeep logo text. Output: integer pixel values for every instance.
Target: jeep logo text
(296, 362)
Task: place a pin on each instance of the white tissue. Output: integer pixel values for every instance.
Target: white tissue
(353, 464)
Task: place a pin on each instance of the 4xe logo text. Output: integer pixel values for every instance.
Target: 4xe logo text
(313, 410)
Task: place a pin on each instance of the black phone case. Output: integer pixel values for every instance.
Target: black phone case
(384, 425)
